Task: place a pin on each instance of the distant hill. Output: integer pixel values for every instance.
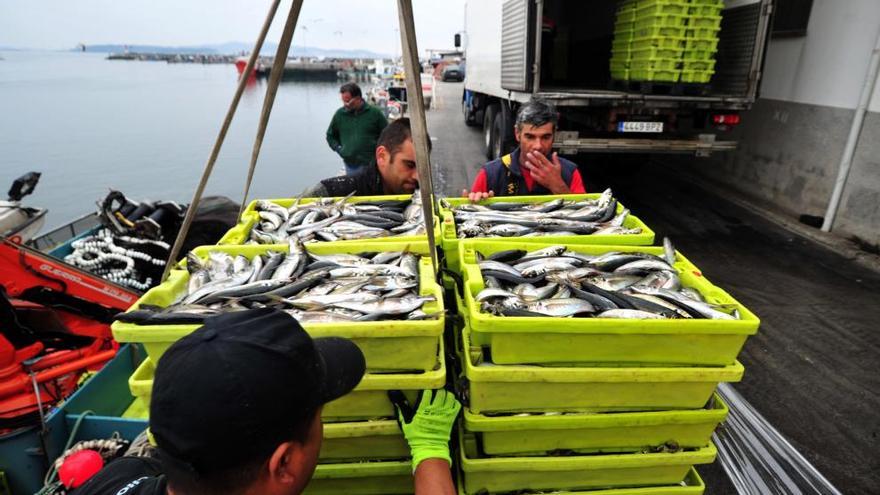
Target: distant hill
(234, 47)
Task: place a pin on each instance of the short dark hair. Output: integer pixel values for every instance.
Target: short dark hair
(395, 134)
(536, 112)
(352, 89)
(234, 480)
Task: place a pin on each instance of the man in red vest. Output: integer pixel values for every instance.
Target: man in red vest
(531, 169)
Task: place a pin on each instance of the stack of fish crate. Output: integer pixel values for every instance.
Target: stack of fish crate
(364, 451)
(590, 403)
(701, 40)
(658, 42)
(623, 36)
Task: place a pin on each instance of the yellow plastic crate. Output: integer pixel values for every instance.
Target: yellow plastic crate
(362, 478)
(356, 441)
(540, 434)
(522, 388)
(605, 341)
(369, 400)
(705, 21)
(692, 485)
(660, 21)
(387, 345)
(240, 233)
(515, 474)
(450, 241)
(652, 53)
(654, 75)
(659, 7)
(697, 76)
(666, 43)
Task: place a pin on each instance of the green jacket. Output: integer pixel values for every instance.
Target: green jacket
(354, 134)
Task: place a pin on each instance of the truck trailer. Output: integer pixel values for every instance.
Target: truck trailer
(559, 50)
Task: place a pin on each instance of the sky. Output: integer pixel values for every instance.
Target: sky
(334, 24)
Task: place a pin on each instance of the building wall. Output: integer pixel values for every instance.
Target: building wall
(792, 140)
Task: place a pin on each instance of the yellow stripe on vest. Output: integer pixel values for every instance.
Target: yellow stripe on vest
(511, 186)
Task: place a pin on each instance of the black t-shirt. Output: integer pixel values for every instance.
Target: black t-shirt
(126, 476)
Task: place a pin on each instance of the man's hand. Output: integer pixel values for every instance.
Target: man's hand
(546, 172)
(427, 429)
(476, 197)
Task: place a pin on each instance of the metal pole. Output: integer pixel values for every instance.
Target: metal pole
(416, 106)
(209, 166)
(271, 91)
(853, 140)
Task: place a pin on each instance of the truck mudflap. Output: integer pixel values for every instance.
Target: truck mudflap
(702, 145)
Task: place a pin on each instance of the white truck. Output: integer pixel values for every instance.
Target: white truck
(559, 50)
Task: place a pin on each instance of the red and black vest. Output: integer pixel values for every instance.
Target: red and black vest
(504, 176)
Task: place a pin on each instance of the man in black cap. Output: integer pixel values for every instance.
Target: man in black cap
(236, 409)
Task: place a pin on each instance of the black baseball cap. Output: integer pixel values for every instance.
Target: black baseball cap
(239, 385)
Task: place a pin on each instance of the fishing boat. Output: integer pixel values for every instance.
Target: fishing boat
(17, 221)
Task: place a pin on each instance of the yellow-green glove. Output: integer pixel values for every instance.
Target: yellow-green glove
(427, 429)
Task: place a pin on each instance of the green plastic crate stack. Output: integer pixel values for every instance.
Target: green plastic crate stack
(623, 35)
(701, 40)
(630, 402)
(364, 451)
(658, 42)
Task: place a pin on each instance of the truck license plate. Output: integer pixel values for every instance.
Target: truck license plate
(640, 127)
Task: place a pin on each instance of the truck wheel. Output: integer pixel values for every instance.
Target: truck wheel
(504, 131)
(489, 129)
(470, 118)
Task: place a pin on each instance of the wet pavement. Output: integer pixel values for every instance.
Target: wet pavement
(813, 369)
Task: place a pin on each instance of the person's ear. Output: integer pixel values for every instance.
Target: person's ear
(283, 463)
(382, 156)
(516, 133)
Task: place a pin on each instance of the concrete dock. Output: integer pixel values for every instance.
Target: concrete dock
(812, 369)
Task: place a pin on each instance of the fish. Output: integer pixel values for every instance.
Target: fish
(555, 281)
(540, 218)
(331, 219)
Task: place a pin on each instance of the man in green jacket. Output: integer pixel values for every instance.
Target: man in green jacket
(354, 129)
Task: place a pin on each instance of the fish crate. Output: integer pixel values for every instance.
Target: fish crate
(649, 21)
(659, 75)
(699, 56)
(697, 76)
(706, 10)
(362, 478)
(691, 485)
(484, 474)
(704, 21)
(605, 341)
(369, 400)
(653, 53)
(677, 31)
(701, 33)
(450, 241)
(543, 434)
(698, 66)
(493, 389)
(700, 45)
(665, 43)
(388, 345)
(657, 64)
(241, 232)
(359, 440)
(659, 7)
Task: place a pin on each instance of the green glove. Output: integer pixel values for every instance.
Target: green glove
(428, 428)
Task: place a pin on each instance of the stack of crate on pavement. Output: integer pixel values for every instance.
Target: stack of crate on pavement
(364, 451)
(701, 40)
(579, 404)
